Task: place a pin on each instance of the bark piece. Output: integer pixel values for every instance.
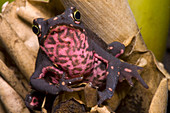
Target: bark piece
(103, 109)
(69, 106)
(90, 95)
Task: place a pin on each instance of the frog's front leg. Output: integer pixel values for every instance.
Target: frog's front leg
(43, 66)
(54, 86)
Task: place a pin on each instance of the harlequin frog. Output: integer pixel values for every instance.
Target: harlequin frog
(70, 53)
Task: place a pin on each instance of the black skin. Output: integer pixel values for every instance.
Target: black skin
(96, 44)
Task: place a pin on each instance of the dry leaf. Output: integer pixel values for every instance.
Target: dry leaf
(159, 101)
(103, 109)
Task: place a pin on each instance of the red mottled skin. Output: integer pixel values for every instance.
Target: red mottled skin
(70, 53)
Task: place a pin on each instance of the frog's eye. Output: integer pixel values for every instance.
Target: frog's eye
(35, 29)
(77, 15)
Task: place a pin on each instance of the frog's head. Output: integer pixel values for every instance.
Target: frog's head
(70, 18)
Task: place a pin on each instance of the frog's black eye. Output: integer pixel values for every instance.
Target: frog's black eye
(77, 15)
(35, 29)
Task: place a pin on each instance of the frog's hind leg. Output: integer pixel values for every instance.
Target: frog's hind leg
(112, 76)
(116, 48)
(127, 71)
(112, 71)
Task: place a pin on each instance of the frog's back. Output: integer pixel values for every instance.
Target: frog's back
(67, 47)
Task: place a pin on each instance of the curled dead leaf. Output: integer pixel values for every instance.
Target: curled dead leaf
(103, 109)
(160, 98)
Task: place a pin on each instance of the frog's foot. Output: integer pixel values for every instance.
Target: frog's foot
(34, 100)
(64, 83)
(104, 95)
(127, 71)
(116, 48)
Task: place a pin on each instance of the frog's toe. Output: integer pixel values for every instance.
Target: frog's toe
(130, 81)
(139, 78)
(127, 71)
